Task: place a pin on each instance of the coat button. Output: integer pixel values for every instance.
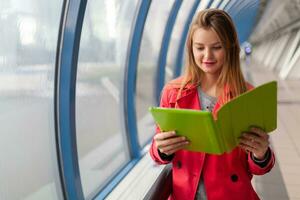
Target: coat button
(178, 164)
(234, 178)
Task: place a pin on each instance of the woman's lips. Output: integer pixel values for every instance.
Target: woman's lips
(209, 63)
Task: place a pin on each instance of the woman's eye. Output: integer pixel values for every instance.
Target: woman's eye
(200, 48)
(217, 47)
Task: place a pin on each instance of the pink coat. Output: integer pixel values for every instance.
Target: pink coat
(226, 176)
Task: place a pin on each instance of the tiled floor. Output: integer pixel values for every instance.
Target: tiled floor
(283, 182)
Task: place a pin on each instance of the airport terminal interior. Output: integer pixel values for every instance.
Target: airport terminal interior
(77, 78)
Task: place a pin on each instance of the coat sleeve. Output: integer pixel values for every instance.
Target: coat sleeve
(258, 170)
(164, 102)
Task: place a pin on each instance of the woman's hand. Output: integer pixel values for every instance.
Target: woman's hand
(255, 141)
(168, 143)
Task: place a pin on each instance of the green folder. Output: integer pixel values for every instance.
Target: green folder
(257, 107)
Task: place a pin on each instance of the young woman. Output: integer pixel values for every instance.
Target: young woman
(213, 76)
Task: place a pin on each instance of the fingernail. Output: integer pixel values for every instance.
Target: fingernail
(253, 128)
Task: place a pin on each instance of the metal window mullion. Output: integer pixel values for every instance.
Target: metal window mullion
(215, 4)
(209, 4)
(162, 60)
(223, 4)
(56, 123)
(288, 64)
(238, 7)
(65, 99)
(282, 58)
(128, 96)
(130, 79)
(270, 54)
(256, 51)
(264, 50)
(275, 52)
(274, 49)
(294, 64)
(229, 5)
(280, 49)
(249, 14)
(239, 11)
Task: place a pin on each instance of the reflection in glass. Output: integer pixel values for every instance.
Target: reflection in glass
(28, 158)
(147, 66)
(175, 38)
(102, 147)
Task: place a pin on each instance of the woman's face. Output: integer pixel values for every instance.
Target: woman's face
(208, 51)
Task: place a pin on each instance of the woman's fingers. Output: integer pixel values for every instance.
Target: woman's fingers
(168, 142)
(247, 147)
(253, 138)
(249, 139)
(256, 141)
(173, 148)
(248, 144)
(164, 135)
(259, 132)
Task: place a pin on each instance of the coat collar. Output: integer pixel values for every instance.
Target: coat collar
(189, 99)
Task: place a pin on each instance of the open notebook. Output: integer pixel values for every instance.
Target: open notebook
(257, 107)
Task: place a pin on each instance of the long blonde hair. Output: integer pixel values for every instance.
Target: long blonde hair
(231, 74)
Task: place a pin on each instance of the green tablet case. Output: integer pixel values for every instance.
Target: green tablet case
(257, 107)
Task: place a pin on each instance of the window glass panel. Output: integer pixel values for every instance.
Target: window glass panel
(147, 66)
(28, 38)
(176, 37)
(286, 51)
(294, 73)
(102, 148)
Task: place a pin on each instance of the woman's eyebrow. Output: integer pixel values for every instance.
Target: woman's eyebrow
(199, 43)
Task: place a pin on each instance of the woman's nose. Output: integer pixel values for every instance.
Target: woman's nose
(207, 53)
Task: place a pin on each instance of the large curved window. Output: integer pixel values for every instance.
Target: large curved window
(102, 147)
(147, 66)
(28, 39)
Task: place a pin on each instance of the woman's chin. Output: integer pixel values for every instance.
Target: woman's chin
(209, 69)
